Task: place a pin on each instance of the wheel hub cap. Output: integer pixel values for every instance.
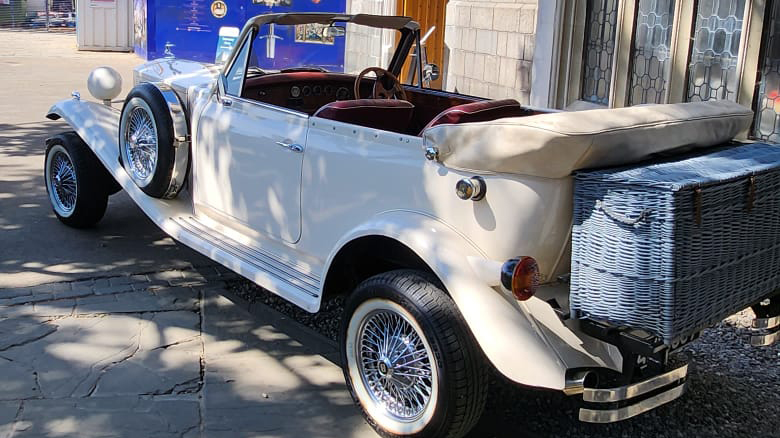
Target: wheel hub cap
(62, 183)
(141, 144)
(395, 365)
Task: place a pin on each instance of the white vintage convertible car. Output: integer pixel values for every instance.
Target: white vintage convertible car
(445, 219)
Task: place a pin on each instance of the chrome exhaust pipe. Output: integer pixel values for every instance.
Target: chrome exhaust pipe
(575, 382)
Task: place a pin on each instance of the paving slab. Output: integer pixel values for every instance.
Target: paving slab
(145, 356)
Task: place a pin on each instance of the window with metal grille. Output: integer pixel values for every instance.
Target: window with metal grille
(712, 72)
(651, 51)
(599, 50)
(767, 125)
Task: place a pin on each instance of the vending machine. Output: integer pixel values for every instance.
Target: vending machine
(204, 30)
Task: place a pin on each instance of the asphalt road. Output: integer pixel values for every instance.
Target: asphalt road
(36, 70)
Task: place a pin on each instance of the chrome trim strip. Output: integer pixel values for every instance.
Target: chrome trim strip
(284, 272)
(295, 270)
(575, 384)
(609, 395)
(176, 109)
(181, 138)
(766, 323)
(613, 415)
(764, 340)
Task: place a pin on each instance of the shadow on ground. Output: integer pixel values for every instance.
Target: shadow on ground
(151, 359)
(37, 248)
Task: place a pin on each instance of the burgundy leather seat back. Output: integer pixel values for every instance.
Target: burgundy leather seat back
(385, 114)
(479, 112)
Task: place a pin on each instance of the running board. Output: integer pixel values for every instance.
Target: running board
(258, 265)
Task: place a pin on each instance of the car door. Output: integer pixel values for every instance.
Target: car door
(248, 160)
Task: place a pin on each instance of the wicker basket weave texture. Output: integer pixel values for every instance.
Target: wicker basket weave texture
(673, 247)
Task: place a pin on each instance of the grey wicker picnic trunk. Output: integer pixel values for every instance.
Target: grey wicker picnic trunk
(673, 247)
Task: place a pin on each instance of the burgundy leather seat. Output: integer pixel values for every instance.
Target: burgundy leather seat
(479, 112)
(385, 114)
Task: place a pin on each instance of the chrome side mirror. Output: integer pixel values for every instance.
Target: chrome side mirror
(333, 32)
(431, 72)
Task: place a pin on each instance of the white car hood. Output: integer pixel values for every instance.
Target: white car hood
(180, 74)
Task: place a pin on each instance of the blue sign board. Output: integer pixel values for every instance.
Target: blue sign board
(191, 28)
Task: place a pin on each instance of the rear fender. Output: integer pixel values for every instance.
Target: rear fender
(507, 336)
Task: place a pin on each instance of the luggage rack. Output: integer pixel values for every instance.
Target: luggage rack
(648, 379)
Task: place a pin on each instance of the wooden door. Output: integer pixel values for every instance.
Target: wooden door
(429, 13)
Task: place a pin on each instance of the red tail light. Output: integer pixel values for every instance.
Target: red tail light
(521, 276)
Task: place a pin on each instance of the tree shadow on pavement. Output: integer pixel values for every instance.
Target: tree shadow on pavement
(37, 248)
(162, 361)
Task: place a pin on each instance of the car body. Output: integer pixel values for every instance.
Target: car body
(308, 191)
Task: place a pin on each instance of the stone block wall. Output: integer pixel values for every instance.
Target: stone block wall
(490, 45)
(366, 46)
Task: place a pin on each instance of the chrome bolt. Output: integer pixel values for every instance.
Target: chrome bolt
(432, 154)
(473, 188)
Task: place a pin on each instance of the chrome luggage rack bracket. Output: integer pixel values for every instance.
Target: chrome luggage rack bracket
(765, 330)
(643, 355)
(620, 403)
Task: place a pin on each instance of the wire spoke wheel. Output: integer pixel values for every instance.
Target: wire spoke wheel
(140, 144)
(395, 365)
(409, 361)
(76, 182)
(63, 187)
(153, 140)
(392, 367)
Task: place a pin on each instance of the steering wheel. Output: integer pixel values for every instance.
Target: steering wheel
(380, 92)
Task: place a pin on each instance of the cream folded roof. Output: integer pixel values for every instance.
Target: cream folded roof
(556, 144)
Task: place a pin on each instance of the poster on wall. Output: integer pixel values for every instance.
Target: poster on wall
(270, 3)
(312, 33)
(194, 15)
(227, 40)
(139, 27)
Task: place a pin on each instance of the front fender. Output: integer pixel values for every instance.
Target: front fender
(507, 336)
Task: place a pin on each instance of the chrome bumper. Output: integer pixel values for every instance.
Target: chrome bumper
(628, 401)
(765, 331)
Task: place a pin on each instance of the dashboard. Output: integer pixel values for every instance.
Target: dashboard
(303, 91)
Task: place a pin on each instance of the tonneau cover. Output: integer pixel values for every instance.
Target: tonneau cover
(556, 144)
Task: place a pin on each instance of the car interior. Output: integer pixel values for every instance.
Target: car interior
(381, 102)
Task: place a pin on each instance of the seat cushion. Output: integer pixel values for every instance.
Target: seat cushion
(556, 144)
(479, 112)
(385, 114)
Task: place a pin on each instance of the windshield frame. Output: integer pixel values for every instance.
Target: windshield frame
(408, 28)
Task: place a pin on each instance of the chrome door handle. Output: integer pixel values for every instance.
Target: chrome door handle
(227, 102)
(295, 147)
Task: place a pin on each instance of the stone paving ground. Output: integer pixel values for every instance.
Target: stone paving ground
(162, 355)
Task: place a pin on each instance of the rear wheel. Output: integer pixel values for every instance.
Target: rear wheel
(409, 361)
(76, 181)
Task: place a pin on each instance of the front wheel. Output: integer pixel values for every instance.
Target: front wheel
(410, 362)
(76, 181)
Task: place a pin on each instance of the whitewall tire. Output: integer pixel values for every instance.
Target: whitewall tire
(76, 182)
(146, 143)
(410, 362)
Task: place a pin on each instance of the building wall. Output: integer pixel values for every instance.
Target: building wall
(367, 46)
(490, 45)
